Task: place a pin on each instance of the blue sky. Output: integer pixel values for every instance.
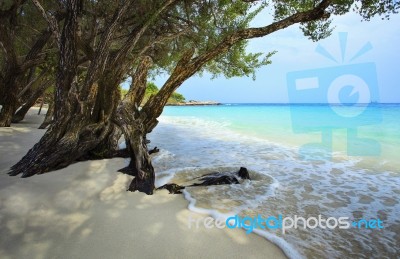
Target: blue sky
(296, 53)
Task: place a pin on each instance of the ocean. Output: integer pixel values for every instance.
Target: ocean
(304, 159)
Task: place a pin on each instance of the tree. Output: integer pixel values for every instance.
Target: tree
(21, 56)
(100, 45)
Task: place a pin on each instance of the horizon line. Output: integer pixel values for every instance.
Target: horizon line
(308, 103)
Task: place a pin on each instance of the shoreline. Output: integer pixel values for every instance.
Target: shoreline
(333, 186)
(84, 211)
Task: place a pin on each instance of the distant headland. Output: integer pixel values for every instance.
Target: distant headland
(194, 103)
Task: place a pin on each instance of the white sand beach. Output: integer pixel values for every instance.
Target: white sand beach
(84, 211)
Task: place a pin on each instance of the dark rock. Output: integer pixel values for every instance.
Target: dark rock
(172, 188)
(216, 179)
(243, 173)
(154, 150)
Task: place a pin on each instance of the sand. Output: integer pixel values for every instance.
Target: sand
(83, 211)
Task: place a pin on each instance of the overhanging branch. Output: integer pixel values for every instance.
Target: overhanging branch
(187, 66)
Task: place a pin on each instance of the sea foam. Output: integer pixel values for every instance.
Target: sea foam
(282, 184)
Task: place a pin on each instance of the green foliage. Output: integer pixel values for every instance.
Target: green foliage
(152, 89)
(176, 98)
(208, 22)
(317, 30)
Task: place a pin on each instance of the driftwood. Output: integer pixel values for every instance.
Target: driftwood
(215, 178)
(154, 150)
(173, 188)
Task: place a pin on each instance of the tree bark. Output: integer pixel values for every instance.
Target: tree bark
(41, 106)
(75, 133)
(9, 85)
(20, 114)
(131, 123)
(8, 109)
(10, 99)
(62, 144)
(14, 70)
(72, 134)
(49, 116)
(141, 161)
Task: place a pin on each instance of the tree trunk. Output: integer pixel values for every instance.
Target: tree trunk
(20, 114)
(14, 71)
(140, 164)
(144, 181)
(131, 123)
(49, 115)
(6, 115)
(62, 144)
(8, 109)
(41, 106)
(76, 132)
(10, 100)
(108, 147)
(9, 86)
(9, 96)
(73, 133)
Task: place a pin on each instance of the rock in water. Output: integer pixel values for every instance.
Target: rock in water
(215, 178)
(243, 173)
(173, 188)
(154, 150)
(223, 178)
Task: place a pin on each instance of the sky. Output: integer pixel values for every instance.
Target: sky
(297, 53)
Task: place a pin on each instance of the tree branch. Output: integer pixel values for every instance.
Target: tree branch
(26, 88)
(137, 34)
(314, 14)
(100, 56)
(138, 86)
(187, 67)
(51, 20)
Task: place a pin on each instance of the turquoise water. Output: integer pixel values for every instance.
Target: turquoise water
(288, 178)
(297, 125)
